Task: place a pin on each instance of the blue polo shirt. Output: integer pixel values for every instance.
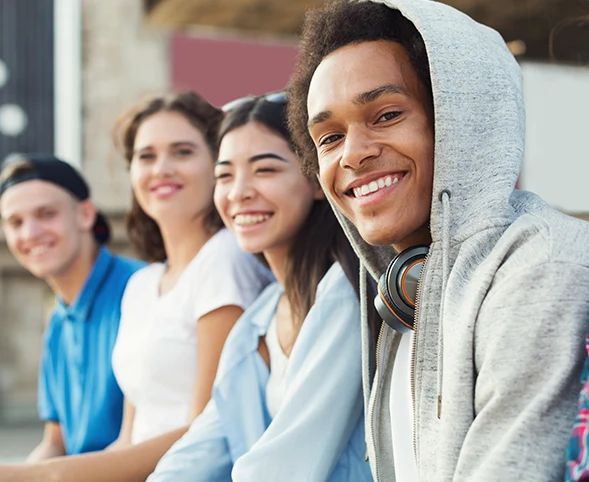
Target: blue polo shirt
(77, 387)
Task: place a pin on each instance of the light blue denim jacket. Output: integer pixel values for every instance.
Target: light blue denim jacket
(318, 434)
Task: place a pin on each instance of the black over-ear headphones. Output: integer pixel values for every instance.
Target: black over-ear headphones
(397, 289)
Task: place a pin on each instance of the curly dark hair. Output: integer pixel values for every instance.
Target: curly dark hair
(143, 231)
(330, 28)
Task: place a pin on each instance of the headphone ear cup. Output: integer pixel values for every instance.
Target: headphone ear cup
(389, 311)
(397, 288)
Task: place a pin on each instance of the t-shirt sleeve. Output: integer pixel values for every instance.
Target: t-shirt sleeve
(46, 384)
(227, 276)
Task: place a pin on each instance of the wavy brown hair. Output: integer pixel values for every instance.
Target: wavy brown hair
(143, 231)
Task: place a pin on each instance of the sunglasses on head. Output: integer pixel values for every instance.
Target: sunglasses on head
(273, 97)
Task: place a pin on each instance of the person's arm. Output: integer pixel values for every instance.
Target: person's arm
(53, 443)
(130, 464)
(51, 446)
(529, 357)
(201, 455)
(323, 402)
(125, 435)
(212, 331)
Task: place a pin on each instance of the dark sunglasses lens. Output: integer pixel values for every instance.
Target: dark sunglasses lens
(276, 97)
(234, 104)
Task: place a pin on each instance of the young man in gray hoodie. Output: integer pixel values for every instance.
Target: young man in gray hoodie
(411, 114)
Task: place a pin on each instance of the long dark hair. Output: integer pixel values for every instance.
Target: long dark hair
(143, 231)
(320, 241)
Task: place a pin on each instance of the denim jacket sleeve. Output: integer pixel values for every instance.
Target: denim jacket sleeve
(201, 455)
(323, 400)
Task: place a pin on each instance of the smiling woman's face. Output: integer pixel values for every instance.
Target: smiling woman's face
(260, 191)
(371, 122)
(172, 169)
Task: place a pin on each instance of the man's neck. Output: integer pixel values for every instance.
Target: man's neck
(69, 285)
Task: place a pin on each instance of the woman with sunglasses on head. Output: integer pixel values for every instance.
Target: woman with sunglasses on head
(177, 312)
(287, 401)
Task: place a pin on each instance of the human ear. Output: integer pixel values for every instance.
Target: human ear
(86, 215)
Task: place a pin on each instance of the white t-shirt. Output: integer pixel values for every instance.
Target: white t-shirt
(154, 358)
(401, 413)
(276, 386)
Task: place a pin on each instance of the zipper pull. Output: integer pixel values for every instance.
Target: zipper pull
(439, 406)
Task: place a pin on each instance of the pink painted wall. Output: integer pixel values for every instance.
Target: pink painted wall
(223, 70)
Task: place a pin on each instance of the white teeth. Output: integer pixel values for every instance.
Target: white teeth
(165, 189)
(250, 219)
(374, 186)
(38, 250)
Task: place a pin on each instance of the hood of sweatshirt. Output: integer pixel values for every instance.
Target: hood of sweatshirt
(479, 128)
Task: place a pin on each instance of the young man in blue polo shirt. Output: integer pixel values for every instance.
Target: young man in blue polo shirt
(54, 231)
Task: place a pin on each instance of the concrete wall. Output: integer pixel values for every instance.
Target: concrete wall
(556, 164)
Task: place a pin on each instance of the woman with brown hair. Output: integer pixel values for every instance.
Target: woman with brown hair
(199, 282)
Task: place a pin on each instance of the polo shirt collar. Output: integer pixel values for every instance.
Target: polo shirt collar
(80, 308)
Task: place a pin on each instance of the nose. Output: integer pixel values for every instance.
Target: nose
(241, 189)
(359, 146)
(163, 166)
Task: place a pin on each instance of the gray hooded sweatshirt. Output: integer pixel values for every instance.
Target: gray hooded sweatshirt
(504, 300)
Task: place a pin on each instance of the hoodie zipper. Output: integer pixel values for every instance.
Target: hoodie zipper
(372, 415)
(414, 350)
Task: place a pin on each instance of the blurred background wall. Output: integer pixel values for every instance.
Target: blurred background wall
(68, 68)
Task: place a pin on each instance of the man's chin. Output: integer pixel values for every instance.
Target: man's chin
(377, 237)
(41, 272)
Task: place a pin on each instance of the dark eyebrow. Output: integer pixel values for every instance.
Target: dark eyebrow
(184, 143)
(174, 144)
(257, 157)
(267, 155)
(372, 95)
(362, 99)
(319, 118)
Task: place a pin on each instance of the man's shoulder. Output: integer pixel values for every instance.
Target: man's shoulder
(122, 269)
(541, 234)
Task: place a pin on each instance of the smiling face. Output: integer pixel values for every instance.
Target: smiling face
(261, 193)
(45, 227)
(172, 169)
(371, 122)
